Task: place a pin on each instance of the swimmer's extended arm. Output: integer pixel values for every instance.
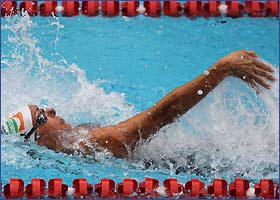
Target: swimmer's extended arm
(123, 136)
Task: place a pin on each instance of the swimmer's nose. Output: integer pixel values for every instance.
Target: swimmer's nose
(51, 112)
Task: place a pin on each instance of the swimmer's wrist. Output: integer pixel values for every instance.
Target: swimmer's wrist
(219, 72)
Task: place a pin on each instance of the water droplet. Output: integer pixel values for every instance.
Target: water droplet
(244, 77)
(199, 92)
(206, 72)
(126, 18)
(106, 142)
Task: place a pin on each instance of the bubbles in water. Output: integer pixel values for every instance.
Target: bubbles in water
(127, 19)
(199, 92)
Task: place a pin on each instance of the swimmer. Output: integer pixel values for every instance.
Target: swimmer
(45, 127)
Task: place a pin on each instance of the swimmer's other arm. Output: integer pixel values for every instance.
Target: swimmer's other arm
(121, 138)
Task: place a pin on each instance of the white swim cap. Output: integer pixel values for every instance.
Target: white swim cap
(19, 122)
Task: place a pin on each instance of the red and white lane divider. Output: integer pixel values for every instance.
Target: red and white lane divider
(149, 188)
(152, 8)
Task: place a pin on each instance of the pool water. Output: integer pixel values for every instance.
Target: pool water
(106, 70)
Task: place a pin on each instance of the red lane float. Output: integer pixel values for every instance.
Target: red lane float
(254, 8)
(148, 187)
(272, 8)
(238, 188)
(195, 188)
(71, 8)
(36, 190)
(193, 8)
(211, 9)
(31, 7)
(8, 8)
(128, 188)
(234, 9)
(56, 189)
(48, 8)
(218, 188)
(15, 189)
(172, 187)
(110, 8)
(105, 189)
(265, 189)
(82, 188)
(257, 188)
(129, 8)
(153, 8)
(90, 8)
(172, 8)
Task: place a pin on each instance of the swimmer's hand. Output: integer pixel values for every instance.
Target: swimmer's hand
(245, 65)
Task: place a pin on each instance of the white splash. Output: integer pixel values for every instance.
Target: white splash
(232, 132)
(29, 78)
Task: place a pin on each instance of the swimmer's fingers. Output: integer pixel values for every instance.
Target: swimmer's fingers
(246, 52)
(262, 73)
(245, 77)
(257, 75)
(253, 85)
(263, 66)
(259, 80)
(251, 53)
(252, 56)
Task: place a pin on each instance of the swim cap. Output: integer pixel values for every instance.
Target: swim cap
(19, 122)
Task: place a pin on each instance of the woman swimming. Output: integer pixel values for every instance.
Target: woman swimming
(47, 129)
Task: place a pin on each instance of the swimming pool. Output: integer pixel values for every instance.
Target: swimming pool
(108, 69)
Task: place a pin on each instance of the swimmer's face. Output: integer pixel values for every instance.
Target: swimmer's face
(54, 123)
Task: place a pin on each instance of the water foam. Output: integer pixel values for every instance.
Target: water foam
(231, 133)
(29, 78)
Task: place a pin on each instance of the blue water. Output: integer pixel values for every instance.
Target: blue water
(108, 69)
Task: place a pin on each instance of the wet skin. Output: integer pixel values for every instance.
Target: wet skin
(242, 64)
